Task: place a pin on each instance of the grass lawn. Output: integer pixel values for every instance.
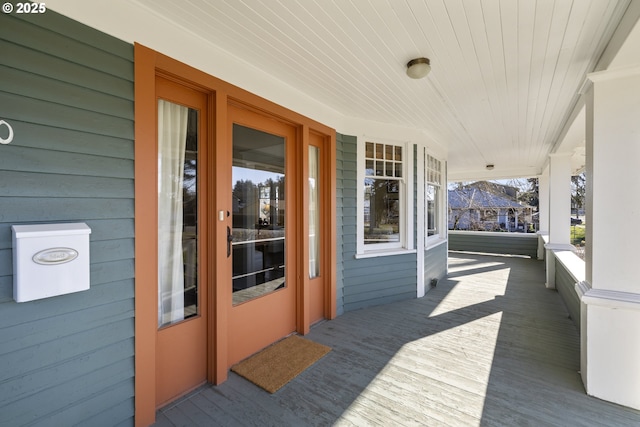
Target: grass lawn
(577, 234)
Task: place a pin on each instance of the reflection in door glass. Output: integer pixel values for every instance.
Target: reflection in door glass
(258, 213)
(314, 212)
(177, 213)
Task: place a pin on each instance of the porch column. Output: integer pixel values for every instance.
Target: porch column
(559, 211)
(543, 210)
(610, 295)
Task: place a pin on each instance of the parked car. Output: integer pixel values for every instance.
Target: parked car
(575, 221)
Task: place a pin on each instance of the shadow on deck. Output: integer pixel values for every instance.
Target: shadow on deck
(489, 346)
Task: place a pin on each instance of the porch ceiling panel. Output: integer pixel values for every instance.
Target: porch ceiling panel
(505, 74)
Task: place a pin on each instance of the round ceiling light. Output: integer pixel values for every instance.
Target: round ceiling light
(418, 68)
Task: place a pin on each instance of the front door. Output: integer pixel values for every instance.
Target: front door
(181, 341)
(262, 239)
(209, 155)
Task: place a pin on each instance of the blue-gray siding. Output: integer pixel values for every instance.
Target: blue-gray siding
(366, 281)
(340, 195)
(67, 91)
(435, 264)
(494, 243)
(565, 284)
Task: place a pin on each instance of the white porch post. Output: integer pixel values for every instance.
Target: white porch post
(610, 295)
(543, 210)
(559, 211)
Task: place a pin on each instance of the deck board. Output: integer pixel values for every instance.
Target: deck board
(489, 346)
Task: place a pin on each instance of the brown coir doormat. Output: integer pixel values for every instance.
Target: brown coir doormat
(281, 362)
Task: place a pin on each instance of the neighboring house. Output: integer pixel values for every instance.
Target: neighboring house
(121, 116)
(487, 208)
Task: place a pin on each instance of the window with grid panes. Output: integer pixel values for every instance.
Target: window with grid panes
(383, 195)
(433, 168)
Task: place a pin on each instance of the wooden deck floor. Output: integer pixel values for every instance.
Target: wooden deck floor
(489, 346)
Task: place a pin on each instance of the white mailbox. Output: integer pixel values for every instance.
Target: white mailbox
(50, 260)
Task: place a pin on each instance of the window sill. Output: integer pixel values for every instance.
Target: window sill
(388, 252)
(435, 242)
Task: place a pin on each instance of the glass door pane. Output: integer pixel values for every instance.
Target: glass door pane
(177, 213)
(258, 180)
(314, 212)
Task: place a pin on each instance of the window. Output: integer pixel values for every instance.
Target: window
(433, 190)
(314, 212)
(383, 225)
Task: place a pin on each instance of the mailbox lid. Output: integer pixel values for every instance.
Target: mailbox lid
(44, 230)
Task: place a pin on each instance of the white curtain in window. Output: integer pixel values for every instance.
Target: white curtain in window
(172, 136)
(314, 214)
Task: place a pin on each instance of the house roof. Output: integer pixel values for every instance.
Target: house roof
(474, 198)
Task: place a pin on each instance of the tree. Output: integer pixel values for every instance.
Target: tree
(578, 192)
(529, 193)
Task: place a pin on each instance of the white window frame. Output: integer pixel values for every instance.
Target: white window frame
(425, 242)
(440, 202)
(406, 243)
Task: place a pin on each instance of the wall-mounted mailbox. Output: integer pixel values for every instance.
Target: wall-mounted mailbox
(50, 260)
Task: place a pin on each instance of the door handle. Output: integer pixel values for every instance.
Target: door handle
(229, 240)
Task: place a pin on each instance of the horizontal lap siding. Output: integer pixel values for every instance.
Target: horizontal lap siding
(339, 223)
(565, 284)
(495, 244)
(435, 264)
(67, 92)
(367, 281)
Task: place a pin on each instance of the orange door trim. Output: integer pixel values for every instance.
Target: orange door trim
(148, 64)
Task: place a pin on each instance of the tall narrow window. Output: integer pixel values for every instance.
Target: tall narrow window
(177, 213)
(383, 195)
(314, 212)
(433, 168)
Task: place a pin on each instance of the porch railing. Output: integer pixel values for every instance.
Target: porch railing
(494, 242)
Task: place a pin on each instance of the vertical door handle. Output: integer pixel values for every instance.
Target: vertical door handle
(229, 240)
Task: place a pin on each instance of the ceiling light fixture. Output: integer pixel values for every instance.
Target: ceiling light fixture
(418, 68)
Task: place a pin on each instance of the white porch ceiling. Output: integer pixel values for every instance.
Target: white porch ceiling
(505, 73)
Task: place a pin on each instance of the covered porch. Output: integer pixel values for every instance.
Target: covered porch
(517, 89)
(490, 345)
